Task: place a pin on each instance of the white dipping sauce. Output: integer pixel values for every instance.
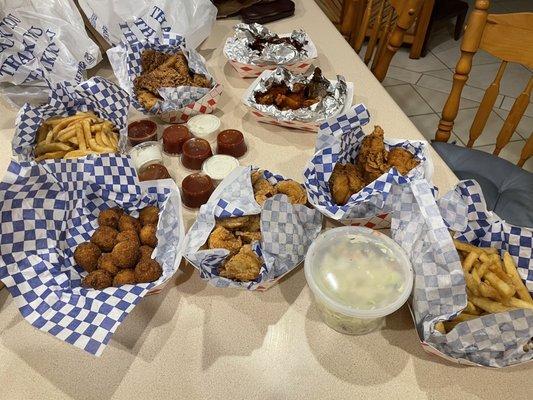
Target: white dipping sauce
(219, 166)
(204, 126)
(146, 153)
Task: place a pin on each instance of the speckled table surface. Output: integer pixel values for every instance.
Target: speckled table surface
(194, 341)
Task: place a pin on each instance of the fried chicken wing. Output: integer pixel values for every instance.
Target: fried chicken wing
(372, 157)
(221, 238)
(403, 160)
(151, 59)
(244, 266)
(294, 191)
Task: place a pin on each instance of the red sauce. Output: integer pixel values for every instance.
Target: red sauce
(231, 142)
(142, 131)
(174, 137)
(153, 172)
(196, 190)
(195, 152)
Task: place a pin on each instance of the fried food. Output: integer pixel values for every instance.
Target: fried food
(160, 70)
(109, 218)
(124, 277)
(294, 191)
(106, 263)
(492, 286)
(149, 215)
(74, 136)
(125, 254)
(253, 224)
(403, 160)
(148, 270)
(300, 96)
(148, 235)
(244, 266)
(248, 236)
(344, 182)
(130, 235)
(263, 190)
(372, 157)
(145, 252)
(98, 279)
(256, 175)
(371, 162)
(105, 238)
(86, 256)
(127, 222)
(234, 222)
(259, 43)
(221, 238)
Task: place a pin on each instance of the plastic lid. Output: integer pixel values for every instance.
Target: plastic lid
(358, 272)
(219, 166)
(146, 153)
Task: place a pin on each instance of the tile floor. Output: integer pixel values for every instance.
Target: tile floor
(421, 88)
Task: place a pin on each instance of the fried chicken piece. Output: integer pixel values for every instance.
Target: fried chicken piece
(250, 231)
(201, 81)
(151, 59)
(294, 191)
(344, 182)
(403, 160)
(263, 189)
(233, 222)
(149, 215)
(147, 99)
(161, 77)
(221, 238)
(248, 237)
(253, 224)
(372, 157)
(256, 175)
(268, 97)
(244, 266)
(148, 235)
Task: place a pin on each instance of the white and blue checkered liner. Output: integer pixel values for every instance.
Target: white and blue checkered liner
(97, 94)
(46, 211)
(339, 140)
(287, 230)
(125, 59)
(421, 226)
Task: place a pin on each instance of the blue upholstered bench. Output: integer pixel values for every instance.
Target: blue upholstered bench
(508, 189)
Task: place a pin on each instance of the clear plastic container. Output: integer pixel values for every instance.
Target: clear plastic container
(358, 276)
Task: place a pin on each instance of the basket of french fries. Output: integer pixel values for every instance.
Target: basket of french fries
(471, 300)
(90, 118)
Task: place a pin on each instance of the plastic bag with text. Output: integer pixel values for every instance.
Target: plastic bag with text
(41, 41)
(192, 19)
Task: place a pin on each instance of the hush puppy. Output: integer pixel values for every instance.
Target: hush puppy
(105, 238)
(99, 279)
(124, 277)
(149, 215)
(145, 252)
(128, 235)
(109, 218)
(147, 235)
(86, 256)
(125, 254)
(107, 263)
(147, 271)
(127, 222)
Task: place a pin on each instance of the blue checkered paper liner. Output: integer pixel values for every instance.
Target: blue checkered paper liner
(421, 226)
(46, 211)
(339, 140)
(97, 94)
(125, 59)
(287, 230)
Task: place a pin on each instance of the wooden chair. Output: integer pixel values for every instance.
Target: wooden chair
(510, 38)
(343, 14)
(385, 22)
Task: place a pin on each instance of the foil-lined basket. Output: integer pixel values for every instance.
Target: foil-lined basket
(250, 63)
(179, 103)
(339, 140)
(337, 101)
(287, 231)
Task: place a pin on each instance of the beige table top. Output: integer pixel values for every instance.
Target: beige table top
(194, 341)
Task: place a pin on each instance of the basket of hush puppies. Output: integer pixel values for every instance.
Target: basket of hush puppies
(88, 243)
(255, 228)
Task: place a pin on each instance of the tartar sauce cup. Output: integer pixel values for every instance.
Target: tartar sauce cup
(358, 276)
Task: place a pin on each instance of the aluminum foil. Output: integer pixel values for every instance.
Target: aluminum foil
(237, 48)
(333, 96)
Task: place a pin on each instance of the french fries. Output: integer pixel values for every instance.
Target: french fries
(75, 136)
(493, 284)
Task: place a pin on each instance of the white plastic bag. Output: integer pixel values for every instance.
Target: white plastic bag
(39, 41)
(191, 19)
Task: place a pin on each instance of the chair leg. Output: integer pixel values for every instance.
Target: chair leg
(459, 24)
